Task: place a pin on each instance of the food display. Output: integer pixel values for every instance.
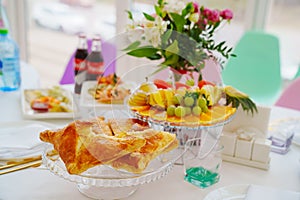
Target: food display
(187, 104)
(51, 100)
(109, 89)
(124, 144)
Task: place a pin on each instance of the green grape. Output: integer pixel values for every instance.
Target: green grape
(188, 110)
(171, 110)
(197, 110)
(189, 101)
(202, 102)
(177, 99)
(190, 82)
(180, 111)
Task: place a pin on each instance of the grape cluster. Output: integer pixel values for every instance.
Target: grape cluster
(187, 103)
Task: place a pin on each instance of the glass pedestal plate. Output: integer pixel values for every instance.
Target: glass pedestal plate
(105, 182)
(209, 133)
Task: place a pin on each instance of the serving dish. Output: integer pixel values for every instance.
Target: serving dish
(66, 109)
(87, 100)
(105, 182)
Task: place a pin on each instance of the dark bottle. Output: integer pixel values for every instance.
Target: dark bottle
(95, 61)
(80, 63)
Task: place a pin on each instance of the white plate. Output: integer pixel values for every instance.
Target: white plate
(28, 113)
(20, 139)
(231, 192)
(87, 100)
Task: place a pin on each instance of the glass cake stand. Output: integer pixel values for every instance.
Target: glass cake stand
(105, 182)
(185, 132)
(209, 133)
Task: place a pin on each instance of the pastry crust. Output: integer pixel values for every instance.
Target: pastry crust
(127, 144)
(157, 142)
(84, 144)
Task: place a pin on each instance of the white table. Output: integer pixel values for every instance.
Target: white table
(36, 183)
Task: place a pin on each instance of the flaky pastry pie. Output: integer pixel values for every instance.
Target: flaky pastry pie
(124, 144)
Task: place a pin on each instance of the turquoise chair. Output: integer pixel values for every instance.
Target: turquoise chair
(256, 69)
(297, 73)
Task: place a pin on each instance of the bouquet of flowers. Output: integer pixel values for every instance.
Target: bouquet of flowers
(181, 34)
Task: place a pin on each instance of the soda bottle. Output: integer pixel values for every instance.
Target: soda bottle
(9, 62)
(80, 63)
(95, 60)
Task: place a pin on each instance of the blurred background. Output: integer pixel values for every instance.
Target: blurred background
(46, 31)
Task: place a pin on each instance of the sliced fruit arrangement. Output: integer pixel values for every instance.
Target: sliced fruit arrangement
(187, 104)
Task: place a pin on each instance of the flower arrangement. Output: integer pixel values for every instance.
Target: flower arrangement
(181, 34)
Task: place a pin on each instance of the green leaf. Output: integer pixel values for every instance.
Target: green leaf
(132, 46)
(129, 14)
(158, 11)
(146, 51)
(171, 60)
(160, 2)
(178, 21)
(188, 9)
(172, 49)
(149, 17)
(165, 37)
(155, 57)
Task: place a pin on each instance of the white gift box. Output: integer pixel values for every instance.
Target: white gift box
(261, 150)
(244, 148)
(244, 139)
(228, 140)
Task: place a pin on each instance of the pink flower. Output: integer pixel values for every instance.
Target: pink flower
(214, 16)
(196, 7)
(206, 12)
(226, 14)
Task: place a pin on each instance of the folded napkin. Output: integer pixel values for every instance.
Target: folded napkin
(19, 141)
(257, 192)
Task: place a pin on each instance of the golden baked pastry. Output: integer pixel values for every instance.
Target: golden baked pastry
(157, 142)
(86, 143)
(122, 126)
(124, 144)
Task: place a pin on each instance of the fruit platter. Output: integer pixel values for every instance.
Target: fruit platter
(187, 104)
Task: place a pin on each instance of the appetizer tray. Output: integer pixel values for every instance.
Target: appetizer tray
(87, 100)
(65, 106)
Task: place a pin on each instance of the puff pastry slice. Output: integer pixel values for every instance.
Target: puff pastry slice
(86, 143)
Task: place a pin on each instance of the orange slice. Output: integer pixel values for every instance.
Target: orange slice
(214, 115)
(217, 114)
(140, 108)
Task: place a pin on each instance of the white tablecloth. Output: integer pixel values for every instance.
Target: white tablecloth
(284, 172)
